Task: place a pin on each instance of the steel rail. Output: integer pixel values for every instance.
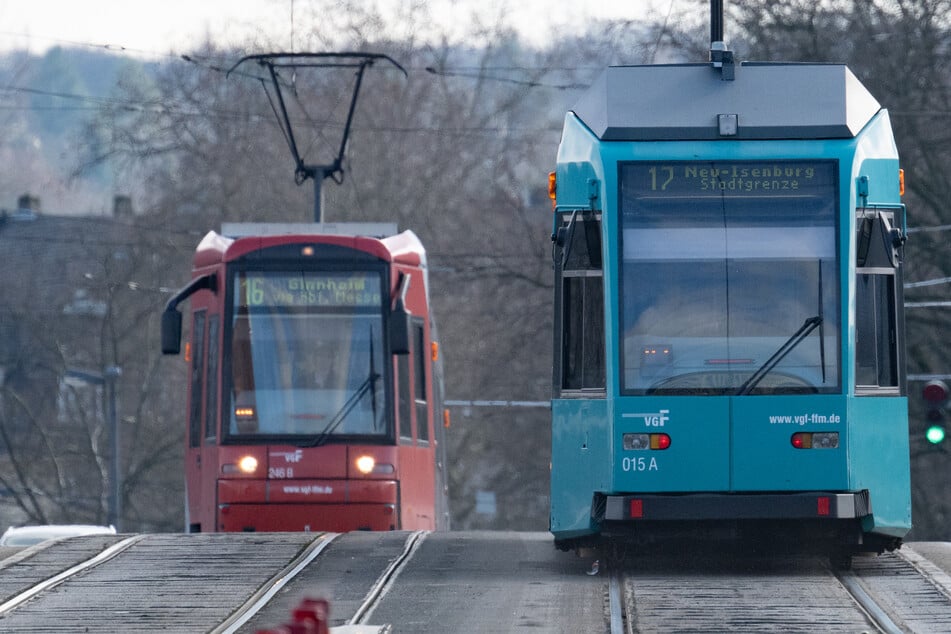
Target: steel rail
(386, 579)
(616, 603)
(107, 554)
(940, 579)
(878, 616)
(266, 592)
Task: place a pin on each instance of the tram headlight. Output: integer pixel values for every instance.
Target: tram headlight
(634, 442)
(365, 464)
(248, 464)
(827, 440)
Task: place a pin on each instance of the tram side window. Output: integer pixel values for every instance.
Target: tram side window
(876, 363)
(197, 379)
(581, 304)
(877, 298)
(211, 410)
(404, 408)
(419, 379)
(583, 360)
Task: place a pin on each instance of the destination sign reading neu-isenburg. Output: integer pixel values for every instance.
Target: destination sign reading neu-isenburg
(734, 177)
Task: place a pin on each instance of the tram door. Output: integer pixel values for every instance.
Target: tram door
(201, 455)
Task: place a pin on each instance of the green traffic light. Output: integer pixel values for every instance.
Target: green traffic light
(935, 434)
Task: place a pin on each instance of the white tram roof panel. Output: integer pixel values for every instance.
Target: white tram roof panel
(367, 229)
(683, 102)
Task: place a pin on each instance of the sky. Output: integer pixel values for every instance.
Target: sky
(158, 27)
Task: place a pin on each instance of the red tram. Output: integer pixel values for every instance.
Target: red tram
(315, 384)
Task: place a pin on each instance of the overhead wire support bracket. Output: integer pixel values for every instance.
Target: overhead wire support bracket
(274, 61)
(720, 56)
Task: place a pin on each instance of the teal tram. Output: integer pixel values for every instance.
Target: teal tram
(728, 325)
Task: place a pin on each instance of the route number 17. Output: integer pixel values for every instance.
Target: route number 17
(664, 174)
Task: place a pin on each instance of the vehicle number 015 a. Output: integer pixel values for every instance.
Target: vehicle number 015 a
(639, 464)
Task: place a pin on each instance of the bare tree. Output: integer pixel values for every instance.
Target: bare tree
(458, 151)
(82, 298)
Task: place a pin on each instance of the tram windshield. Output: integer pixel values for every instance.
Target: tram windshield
(729, 278)
(307, 355)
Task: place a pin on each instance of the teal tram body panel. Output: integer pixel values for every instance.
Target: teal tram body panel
(728, 346)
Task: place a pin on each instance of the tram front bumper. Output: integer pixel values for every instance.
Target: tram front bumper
(736, 506)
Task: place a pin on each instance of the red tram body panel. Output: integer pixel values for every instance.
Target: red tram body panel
(315, 383)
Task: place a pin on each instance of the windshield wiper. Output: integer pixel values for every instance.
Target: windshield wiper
(369, 384)
(807, 327)
(343, 412)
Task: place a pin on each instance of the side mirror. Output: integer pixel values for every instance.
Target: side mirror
(399, 329)
(171, 332)
(172, 319)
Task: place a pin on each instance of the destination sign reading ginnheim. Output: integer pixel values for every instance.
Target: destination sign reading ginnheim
(308, 288)
(738, 178)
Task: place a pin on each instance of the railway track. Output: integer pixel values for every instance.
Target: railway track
(372, 600)
(265, 593)
(141, 583)
(893, 593)
(29, 593)
(453, 582)
(184, 563)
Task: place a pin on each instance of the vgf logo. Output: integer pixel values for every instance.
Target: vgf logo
(289, 456)
(652, 419)
(658, 419)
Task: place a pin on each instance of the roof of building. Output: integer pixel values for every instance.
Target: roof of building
(55, 266)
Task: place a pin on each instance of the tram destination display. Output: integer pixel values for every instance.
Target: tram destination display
(309, 289)
(698, 178)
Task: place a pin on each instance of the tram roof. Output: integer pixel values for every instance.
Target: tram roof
(378, 239)
(684, 101)
(368, 229)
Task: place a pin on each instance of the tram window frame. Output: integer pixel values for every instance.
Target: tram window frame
(211, 380)
(579, 347)
(255, 263)
(714, 246)
(419, 380)
(197, 391)
(404, 394)
(878, 302)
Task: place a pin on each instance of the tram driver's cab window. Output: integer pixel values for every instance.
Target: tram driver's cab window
(729, 280)
(579, 328)
(877, 302)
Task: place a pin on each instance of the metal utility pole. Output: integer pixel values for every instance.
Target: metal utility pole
(716, 21)
(720, 55)
(111, 375)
